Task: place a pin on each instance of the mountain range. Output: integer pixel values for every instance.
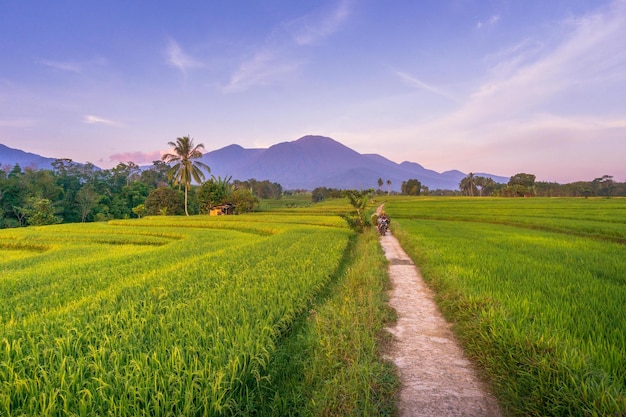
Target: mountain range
(306, 163)
(10, 157)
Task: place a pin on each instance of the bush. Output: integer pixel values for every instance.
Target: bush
(165, 198)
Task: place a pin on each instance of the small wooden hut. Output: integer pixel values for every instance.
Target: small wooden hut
(222, 210)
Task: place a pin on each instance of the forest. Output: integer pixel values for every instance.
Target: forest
(72, 192)
(525, 185)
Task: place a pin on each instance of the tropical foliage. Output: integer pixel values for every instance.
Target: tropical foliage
(73, 192)
(214, 192)
(84, 193)
(525, 185)
(322, 193)
(476, 185)
(358, 219)
(185, 169)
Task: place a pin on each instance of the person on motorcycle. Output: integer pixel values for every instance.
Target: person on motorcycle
(383, 223)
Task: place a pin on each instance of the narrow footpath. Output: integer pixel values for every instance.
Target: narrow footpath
(436, 379)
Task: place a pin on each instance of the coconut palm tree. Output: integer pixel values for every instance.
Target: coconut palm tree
(185, 169)
(468, 185)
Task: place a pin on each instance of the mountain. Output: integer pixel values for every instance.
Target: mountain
(317, 161)
(222, 161)
(306, 163)
(10, 157)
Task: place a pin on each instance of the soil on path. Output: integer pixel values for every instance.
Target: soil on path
(436, 379)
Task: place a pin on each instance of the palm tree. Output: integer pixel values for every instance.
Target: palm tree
(468, 185)
(388, 187)
(184, 169)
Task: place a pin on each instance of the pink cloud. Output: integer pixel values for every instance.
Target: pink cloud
(136, 157)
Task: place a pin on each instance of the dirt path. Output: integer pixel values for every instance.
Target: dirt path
(436, 379)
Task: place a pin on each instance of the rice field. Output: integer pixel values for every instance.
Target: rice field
(158, 316)
(537, 291)
(246, 315)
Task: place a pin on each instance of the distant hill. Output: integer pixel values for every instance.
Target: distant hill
(10, 157)
(306, 163)
(318, 161)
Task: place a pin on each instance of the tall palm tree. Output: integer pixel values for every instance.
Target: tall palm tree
(185, 169)
(468, 185)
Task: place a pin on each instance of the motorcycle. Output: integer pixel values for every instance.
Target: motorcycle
(383, 226)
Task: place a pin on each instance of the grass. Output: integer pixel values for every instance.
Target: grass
(536, 289)
(286, 202)
(330, 365)
(193, 316)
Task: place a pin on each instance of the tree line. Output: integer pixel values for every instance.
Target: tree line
(525, 185)
(519, 185)
(71, 192)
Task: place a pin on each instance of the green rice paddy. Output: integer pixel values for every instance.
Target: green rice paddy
(537, 291)
(280, 312)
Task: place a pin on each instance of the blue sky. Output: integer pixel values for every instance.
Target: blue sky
(492, 86)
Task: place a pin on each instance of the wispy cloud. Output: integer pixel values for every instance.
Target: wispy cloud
(506, 62)
(179, 59)
(264, 68)
(77, 67)
(545, 102)
(63, 66)
(311, 28)
(91, 119)
(491, 21)
(590, 56)
(419, 84)
(273, 60)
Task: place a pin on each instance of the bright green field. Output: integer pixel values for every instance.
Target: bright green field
(537, 291)
(279, 312)
(169, 315)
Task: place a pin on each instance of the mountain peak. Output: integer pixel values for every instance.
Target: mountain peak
(306, 163)
(319, 161)
(315, 139)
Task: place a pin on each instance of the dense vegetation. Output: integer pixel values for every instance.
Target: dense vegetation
(525, 185)
(536, 288)
(72, 192)
(519, 185)
(273, 313)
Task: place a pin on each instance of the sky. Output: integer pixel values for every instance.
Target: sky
(492, 86)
